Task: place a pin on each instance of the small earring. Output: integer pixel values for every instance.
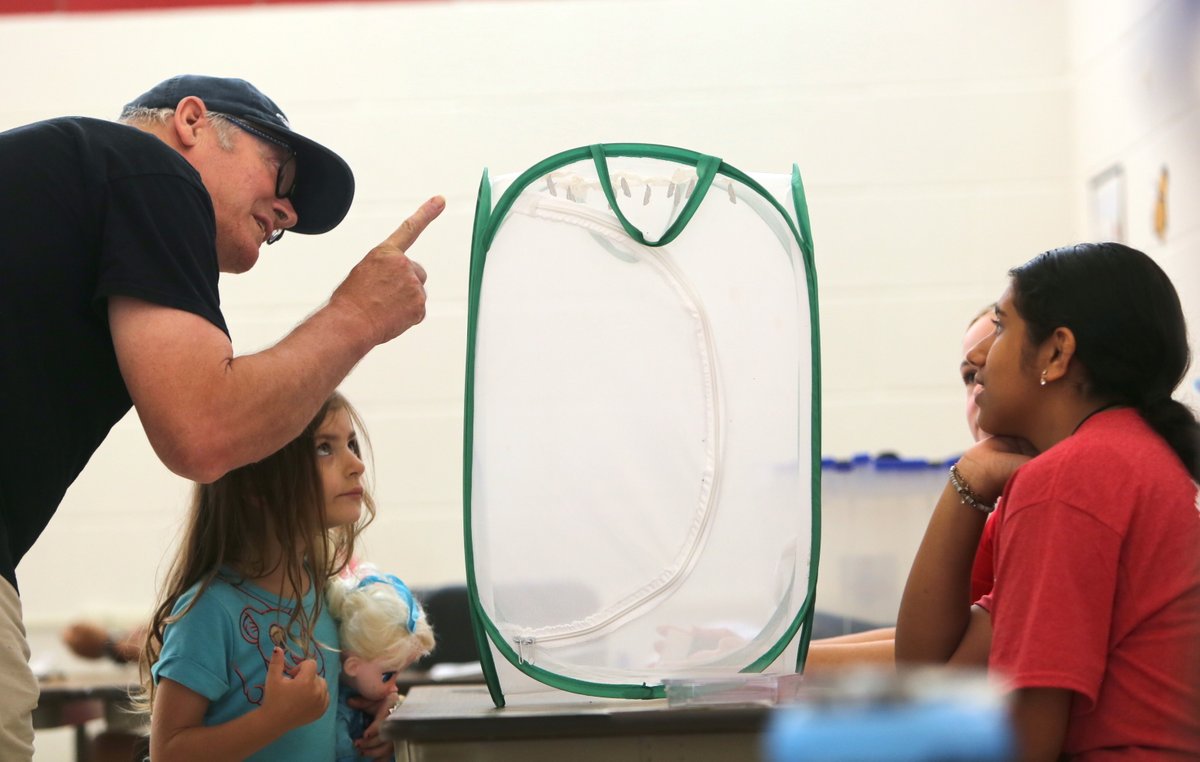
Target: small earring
(1043, 382)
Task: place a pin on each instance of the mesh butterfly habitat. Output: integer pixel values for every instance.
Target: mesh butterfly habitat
(641, 480)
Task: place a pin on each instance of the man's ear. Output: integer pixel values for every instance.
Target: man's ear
(1058, 350)
(351, 665)
(190, 117)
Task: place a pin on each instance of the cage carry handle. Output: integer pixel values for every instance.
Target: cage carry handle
(706, 170)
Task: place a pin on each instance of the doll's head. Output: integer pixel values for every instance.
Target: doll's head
(382, 628)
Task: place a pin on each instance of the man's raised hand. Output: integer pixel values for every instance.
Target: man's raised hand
(386, 290)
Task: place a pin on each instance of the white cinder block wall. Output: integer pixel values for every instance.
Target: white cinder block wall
(941, 142)
(1137, 99)
(934, 137)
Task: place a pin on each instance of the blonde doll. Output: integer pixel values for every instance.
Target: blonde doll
(383, 630)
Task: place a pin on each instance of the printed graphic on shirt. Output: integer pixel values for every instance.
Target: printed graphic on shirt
(265, 628)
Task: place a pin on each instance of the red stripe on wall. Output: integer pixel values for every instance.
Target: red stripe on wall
(94, 6)
(28, 6)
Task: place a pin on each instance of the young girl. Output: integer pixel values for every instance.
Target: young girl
(1094, 618)
(241, 650)
(383, 630)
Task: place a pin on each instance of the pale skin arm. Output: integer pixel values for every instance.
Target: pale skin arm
(825, 657)
(872, 647)
(878, 648)
(207, 412)
(866, 636)
(177, 731)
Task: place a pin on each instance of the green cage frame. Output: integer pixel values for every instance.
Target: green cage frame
(487, 222)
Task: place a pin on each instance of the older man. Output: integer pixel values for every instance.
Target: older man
(112, 237)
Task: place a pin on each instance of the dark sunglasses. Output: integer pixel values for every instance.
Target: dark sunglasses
(285, 178)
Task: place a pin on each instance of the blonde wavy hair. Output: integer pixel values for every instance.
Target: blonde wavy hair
(373, 621)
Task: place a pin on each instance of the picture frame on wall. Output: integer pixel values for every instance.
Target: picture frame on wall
(1107, 205)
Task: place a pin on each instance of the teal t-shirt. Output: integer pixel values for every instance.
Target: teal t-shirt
(221, 650)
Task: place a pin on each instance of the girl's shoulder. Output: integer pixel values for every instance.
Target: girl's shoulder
(1121, 443)
(1117, 438)
(222, 592)
(1108, 468)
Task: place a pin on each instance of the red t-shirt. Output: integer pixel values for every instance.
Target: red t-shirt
(983, 572)
(1097, 550)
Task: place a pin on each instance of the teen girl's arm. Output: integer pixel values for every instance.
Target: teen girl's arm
(1040, 718)
(207, 412)
(178, 733)
(937, 622)
(936, 606)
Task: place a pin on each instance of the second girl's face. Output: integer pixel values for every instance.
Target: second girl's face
(339, 461)
(977, 332)
(1007, 385)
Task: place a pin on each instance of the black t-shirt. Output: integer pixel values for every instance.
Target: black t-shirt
(88, 209)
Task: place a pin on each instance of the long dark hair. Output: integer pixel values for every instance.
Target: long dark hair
(1130, 335)
(278, 500)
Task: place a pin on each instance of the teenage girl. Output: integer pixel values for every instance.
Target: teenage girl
(242, 652)
(1094, 618)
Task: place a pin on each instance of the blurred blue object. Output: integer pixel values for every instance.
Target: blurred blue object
(885, 461)
(920, 731)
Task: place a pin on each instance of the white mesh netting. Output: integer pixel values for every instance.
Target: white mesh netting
(641, 448)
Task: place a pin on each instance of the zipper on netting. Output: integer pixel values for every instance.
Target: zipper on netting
(658, 257)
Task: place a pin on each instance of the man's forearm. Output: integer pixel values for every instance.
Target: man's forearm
(206, 411)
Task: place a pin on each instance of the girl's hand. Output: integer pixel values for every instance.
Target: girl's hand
(297, 700)
(987, 466)
(372, 745)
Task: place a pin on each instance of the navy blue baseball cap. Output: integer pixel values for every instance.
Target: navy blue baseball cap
(324, 182)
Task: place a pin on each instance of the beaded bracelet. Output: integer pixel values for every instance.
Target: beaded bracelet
(966, 494)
